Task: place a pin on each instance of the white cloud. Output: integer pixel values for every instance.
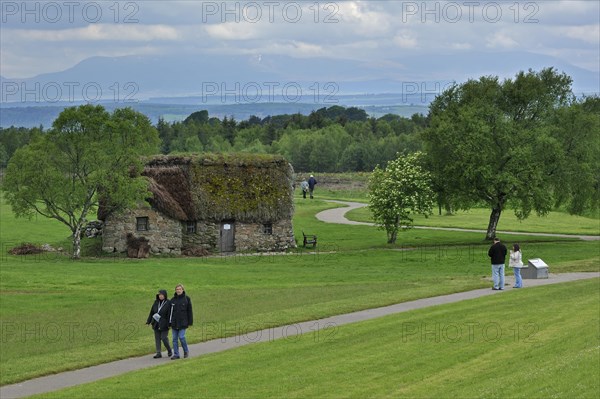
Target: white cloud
(587, 33)
(234, 31)
(405, 39)
(100, 32)
(361, 21)
(501, 40)
(291, 48)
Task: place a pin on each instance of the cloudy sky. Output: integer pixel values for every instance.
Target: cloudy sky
(40, 37)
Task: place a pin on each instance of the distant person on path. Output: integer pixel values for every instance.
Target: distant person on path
(311, 185)
(159, 320)
(304, 187)
(516, 262)
(497, 253)
(180, 319)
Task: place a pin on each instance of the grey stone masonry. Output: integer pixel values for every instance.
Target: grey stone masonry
(170, 236)
(252, 236)
(164, 234)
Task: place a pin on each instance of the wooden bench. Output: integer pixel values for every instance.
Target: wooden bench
(309, 239)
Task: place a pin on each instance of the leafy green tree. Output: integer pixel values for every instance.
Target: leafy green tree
(248, 140)
(354, 158)
(317, 120)
(327, 145)
(270, 134)
(185, 138)
(199, 117)
(13, 138)
(399, 191)
(383, 129)
(296, 146)
(166, 134)
(491, 141)
(577, 173)
(360, 131)
(218, 144)
(387, 149)
(87, 154)
(301, 147)
(229, 129)
(3, 156)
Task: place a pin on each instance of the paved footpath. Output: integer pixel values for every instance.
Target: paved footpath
(337, 215)
(95, 373)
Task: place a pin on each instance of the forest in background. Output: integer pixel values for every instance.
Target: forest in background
(334, 139)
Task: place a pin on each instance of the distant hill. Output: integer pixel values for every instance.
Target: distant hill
(244, 85)
(145, 77)
(32, 116)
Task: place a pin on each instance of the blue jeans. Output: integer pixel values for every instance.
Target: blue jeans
(518, 279)
(497, 276)
(179, 334)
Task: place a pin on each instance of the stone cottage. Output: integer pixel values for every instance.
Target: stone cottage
(208, 202)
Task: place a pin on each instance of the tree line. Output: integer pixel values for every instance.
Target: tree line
(334, 139)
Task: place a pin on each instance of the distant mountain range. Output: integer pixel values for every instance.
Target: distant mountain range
(238, 84)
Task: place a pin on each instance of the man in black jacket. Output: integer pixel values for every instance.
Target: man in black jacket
(181, 318)
(311, 185)
(497, 253)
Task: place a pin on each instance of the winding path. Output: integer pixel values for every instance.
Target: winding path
(338, 215)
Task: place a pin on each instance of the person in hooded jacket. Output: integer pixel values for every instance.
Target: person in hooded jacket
(159, 320)
(180, 319)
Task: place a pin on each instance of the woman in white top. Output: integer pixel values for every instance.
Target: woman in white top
(516, 263)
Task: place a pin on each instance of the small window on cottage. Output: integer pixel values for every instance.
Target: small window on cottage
(190, 227)
(268, 228)
(141, 224)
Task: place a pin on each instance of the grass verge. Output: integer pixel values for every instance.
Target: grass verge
(521, 344)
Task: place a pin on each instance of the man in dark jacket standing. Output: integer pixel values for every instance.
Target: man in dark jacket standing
(181, 318)
(497, 253)
(159, 319)
(311, 185)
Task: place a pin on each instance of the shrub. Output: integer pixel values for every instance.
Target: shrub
(26, 249)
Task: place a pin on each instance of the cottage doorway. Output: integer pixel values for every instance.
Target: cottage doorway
(227, 236)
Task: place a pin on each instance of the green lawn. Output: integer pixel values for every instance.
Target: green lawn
(57, 314)
(554, 222)
(523, 344)
(38, 229)
(346, 238)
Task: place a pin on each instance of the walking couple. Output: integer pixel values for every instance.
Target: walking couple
(175, 313)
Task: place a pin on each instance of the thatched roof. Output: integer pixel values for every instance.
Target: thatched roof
(215, 187)
(170, 188)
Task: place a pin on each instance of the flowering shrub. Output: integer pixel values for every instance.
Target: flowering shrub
(400, 190)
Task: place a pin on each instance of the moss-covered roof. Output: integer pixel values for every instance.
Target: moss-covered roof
(215, 187)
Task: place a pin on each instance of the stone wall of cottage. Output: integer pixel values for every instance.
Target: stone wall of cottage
(205, 237)
(164, 234)
(169, 236)
(249, 237)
